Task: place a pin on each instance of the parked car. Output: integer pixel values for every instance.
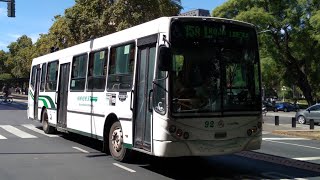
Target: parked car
(312, 112)
(268, 106)
(286, 107)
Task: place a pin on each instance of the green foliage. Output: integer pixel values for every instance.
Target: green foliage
(5, 76)
(291, 39)
(85, 20)
(126, 14)
(20, 56)
(3, 59)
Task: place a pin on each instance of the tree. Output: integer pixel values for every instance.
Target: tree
(59, 36)
(87, 19)
(20, 56)
(292, 37)
(125, 14)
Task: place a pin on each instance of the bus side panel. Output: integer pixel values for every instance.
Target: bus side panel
(30, 103)
(98, 111)
(120, 105)
(48, 99)
(79, 111)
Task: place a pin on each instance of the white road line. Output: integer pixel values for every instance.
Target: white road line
(2, 137)
(285, 139)
(293, 144)
(17, 132)
(123, 167)
(307, 158)
(79, 149)
(33, 128)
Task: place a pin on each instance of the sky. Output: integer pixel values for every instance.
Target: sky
(34, 17)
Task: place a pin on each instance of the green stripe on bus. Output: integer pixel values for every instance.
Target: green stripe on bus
(84, 133)
(50, 101)
(44, 102)
(30, 93)
(128, 146)
(43, 99)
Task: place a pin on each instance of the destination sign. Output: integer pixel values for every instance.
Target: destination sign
(209, 32)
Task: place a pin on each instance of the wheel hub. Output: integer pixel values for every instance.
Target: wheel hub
(117, 140)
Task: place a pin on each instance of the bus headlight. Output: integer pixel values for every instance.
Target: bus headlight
(179, 132)
(186, 135)
(172, 129)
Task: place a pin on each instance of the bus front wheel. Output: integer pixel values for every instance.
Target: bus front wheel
(116, 147)
(45, 123)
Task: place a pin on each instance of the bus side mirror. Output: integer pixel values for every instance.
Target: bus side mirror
(165, 57)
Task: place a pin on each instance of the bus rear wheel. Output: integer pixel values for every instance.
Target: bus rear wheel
(45, 123)
(116, 147)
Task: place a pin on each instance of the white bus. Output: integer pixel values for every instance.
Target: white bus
(174, 86)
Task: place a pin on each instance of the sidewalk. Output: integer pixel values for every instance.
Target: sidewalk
(301, 130)
(20, 98)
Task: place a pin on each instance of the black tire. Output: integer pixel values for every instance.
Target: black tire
(285, 110)
(45, 123)
(116, 147)
(301, 119)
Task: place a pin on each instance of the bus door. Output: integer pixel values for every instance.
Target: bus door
(36, 92)
(63, 95)
(143, 92)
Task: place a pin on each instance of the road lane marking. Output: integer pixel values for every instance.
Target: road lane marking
(293, 144)
(33, 128)
(2, 137)
(17, 132)
(79, 149)
(307, 158)
(285, 139)
(123, 167)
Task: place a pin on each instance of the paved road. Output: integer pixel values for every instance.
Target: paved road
(26, 153)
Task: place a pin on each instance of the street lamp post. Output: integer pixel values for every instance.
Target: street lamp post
(283, 91)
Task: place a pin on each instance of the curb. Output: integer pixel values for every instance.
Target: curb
(314, 135)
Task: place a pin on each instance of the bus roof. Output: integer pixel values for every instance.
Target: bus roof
(149, 28)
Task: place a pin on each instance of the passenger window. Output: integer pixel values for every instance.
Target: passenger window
(121, 67)
(33, 76)
(78, 77)
(97, 70)
(43, 74)
(52, 75)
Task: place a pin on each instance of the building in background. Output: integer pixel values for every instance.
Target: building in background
(196, 12)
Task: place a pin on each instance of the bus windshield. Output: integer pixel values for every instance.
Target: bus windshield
(215, 68)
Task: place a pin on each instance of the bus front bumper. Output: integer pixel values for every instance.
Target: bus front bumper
(205, 148)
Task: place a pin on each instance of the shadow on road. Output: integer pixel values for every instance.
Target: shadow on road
(248, 165)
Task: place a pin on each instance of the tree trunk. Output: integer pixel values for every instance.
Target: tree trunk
(303, 84)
